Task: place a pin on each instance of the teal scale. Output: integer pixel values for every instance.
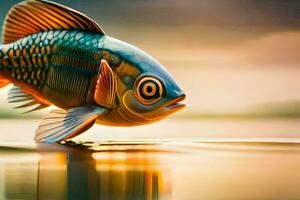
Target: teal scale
(57, 63)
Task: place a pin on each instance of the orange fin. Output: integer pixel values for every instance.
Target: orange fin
(22, 99)
(4, 83)
(33, 16)
(106, 87)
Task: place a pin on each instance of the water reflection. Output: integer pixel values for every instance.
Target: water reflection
(81, 174)
(216, 170)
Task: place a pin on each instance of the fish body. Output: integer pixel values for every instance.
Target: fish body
(65, 59)
(58, 66)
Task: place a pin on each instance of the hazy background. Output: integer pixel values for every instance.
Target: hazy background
(238, 62)
(233, 58)
(238, 56)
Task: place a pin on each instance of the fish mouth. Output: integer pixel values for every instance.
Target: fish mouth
(176, 104)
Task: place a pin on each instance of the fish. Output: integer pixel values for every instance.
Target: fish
(55, 55)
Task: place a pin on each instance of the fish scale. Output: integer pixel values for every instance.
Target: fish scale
(45, 60)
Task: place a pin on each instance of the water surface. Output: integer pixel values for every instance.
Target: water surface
(151, 170)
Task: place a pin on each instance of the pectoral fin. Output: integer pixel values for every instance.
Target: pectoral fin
(61, 125)
(106, 88)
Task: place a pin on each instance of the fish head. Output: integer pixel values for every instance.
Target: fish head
(146, 91)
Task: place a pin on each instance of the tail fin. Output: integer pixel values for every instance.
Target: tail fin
(4, 83)
(3, 63)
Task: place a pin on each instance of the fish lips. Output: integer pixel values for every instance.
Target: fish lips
(176, 104)
(172, 106)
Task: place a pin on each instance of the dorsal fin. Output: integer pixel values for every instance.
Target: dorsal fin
(33, 16)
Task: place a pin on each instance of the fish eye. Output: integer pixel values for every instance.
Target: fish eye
(148, 90)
